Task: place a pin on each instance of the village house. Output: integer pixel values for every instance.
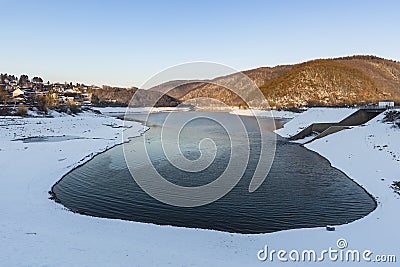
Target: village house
(24, 91)
(386, 104)
(17, 93)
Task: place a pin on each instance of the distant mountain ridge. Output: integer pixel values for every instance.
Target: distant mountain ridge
(115, 96)
(353, 80)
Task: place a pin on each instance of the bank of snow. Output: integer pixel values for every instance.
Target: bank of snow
(278, 114)
(35, 231)
(113, 110)
(370, 155)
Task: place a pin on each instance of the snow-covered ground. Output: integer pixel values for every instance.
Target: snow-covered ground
(35, 231)
(259, 113)
(314, 115)
(279, 114)
(111, 110)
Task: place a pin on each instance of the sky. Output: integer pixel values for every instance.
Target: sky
(124, 43)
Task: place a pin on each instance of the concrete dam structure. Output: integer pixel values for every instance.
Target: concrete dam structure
(357, 118)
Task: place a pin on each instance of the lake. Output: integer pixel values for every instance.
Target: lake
(301, 190)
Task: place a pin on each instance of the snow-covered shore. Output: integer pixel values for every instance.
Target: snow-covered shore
(35, 231)
(370, 155)
(278, 114)
(113, 110)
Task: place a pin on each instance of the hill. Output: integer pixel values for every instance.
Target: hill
(335, 82)
(177, 88)
(115, 96)
(186, 90)
(354, 80)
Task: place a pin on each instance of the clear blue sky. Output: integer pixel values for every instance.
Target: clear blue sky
(125, 42)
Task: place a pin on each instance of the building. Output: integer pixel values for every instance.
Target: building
(17, 93)
(386, 104)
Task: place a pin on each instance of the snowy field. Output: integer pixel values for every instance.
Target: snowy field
(35, 231)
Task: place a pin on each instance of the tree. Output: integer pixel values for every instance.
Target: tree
(43, 103)
(74, 108)
(3, 96)
(37, 80)
(52, 98)
(23, 79)
(22, 110)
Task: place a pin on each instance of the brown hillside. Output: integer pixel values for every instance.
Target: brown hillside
(177, 88)
(326, 82)
(122, 97)
(335, 82)
(210, 89)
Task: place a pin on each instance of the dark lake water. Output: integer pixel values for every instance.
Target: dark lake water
(301, 189)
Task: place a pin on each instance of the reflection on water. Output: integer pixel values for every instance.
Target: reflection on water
(301, 190)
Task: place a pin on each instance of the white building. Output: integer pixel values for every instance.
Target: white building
(18, 92)
(386, 104)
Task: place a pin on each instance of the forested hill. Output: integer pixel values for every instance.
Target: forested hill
(323, 82)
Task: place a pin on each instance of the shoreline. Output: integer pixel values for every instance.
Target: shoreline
(282, 121)
(53, 195)
(352, 180)
(86, 240)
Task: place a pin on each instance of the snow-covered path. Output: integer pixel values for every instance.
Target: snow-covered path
(35, 231)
